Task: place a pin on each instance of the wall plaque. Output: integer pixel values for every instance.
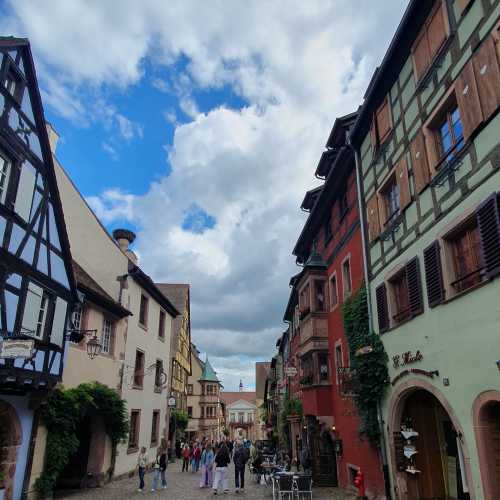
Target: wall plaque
(406, 358)
(11, 348)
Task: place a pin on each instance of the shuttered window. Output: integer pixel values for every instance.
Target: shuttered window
(35, 312)
(4, 178)
(372, 215)
(487, 75)
(468, 100)
(415, 300)
(430, 40)
(382, 308)
(401, 171)
(59, 322)
(384, 122)
(488, 221)
(419, 162)
(434, 274)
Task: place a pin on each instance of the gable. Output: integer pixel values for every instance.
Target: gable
(241, 404)
(35, 232)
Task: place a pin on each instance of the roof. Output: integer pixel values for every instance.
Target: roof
(23, 45)
(262, 369)
(232, 397)
(387, 73)
(209, 374)
(147, 283)
(310, 198)
(96, 293)
(176, 293)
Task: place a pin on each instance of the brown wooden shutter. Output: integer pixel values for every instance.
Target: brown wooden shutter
(382, 308)
(419, 162)
(488, 221)
(436, 29)
(468, 100)
(434, 274)
(372, 218)
(487, 77)
(384, 122)
(414, 283)
(496, 38)
(421, 54)
(401, 172)
(373, 135)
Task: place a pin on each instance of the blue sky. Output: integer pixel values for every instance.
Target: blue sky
(199, 126)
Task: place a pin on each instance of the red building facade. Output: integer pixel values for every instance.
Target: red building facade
(330, 249)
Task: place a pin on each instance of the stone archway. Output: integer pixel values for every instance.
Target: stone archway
(486, 421)
(396, 410)
(10, 441)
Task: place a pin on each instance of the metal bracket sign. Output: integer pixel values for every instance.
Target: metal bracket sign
(10, 349)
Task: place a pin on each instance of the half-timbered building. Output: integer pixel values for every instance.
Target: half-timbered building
(37, 289)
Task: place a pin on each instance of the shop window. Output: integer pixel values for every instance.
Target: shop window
(323, 367)
(133, 437)
(190, 411)
(346, 278)
(4, 178)
(334, 294)
(464, 246)
(139, 369)
(161, 325)
(190, 389)
(143, 311)
(319, 288)
(107, 336)
(400, 303)
(155, 427)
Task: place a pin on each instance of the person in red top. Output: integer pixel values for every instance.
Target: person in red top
(186, 453)
(196, 456)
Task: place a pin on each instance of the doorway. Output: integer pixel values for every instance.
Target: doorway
(436, 470)
(10, 440)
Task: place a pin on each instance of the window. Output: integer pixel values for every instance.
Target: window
(390, 200)
(35, 311)
(307, 370)
(319, 288)
(343, 204)
(323, 366)
(77, 317)
(232, 417)
(338, 356)
(4, 178)
(25, 191)
(139, 370)
(304, 301)
(449, 133)
(346, 277)
(401, 304)
(190, 412)
(14, 82)
(328, 230)
(241, 417)
(465, 251)
(143, 311)
(135, 422)
(250, 417)
(155, 427)
(161, 325)
(190, 389)
(107, 336)
(159, 374)
(334, 299)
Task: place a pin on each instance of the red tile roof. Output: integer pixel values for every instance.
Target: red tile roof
(232, 397)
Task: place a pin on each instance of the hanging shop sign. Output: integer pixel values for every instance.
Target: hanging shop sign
(407, 358)
(10, 349)
(290, 371)
(171, 402)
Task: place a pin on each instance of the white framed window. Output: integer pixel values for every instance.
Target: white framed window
(346, 277)
(77, 317)
(4, 178)
(334, 291)
(107, 332)
(35, 311)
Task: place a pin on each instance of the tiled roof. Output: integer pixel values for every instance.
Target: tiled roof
(232, 397)
(176, 293)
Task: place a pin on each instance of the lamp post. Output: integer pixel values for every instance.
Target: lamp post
(94, 347)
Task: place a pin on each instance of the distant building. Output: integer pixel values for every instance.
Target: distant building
(262, 369)
(240, 414)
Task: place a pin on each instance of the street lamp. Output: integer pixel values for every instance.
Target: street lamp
(94, 347)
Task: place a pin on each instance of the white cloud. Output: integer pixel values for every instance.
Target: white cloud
(110, 150)
(161, 85)
(298, 65)
(128, 129)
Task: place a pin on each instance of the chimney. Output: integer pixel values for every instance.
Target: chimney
(125, 238)
(53, 137)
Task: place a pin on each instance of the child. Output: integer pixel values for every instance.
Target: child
(142, 463)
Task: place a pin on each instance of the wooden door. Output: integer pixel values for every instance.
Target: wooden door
(430, 482)
(492, 441)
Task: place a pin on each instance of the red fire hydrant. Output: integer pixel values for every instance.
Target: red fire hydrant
(359, 482)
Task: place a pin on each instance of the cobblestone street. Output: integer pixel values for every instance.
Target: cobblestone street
(185, 486)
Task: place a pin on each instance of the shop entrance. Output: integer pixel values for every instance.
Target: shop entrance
(432, 454)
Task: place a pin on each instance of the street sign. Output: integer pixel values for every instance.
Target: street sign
(10, 348)
(290, 371)
(171, 402)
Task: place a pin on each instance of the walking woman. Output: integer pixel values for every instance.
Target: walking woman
(207, 465)
(160, 466)
(185, 458)
(142, 463)
(222, 460)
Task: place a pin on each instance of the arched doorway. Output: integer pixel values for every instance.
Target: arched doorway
(429, 457)
(10, 441)
(487, 427)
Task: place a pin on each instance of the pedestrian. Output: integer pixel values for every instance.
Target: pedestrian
(305, 460)
(222, 461)
(240, 458)
(185, 458)
(207, 465)
(159, 468)
(197, 458)
(142, 463)
(230, 448)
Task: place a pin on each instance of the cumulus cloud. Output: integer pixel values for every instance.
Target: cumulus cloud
(297, 66)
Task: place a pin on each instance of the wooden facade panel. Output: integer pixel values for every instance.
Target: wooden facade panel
(419, 162)
(421, 54)
(384, 122)
(436, 29)
(373, 135)
(468, 100)
(462, 5)
(487, 76)
(373, 218)
(401, 172)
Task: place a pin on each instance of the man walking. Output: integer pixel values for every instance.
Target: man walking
(240, 459)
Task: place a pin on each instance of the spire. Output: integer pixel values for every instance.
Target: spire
(208, 374)
(241, 385)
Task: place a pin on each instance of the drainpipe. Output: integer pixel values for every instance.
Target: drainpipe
(383, 450)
